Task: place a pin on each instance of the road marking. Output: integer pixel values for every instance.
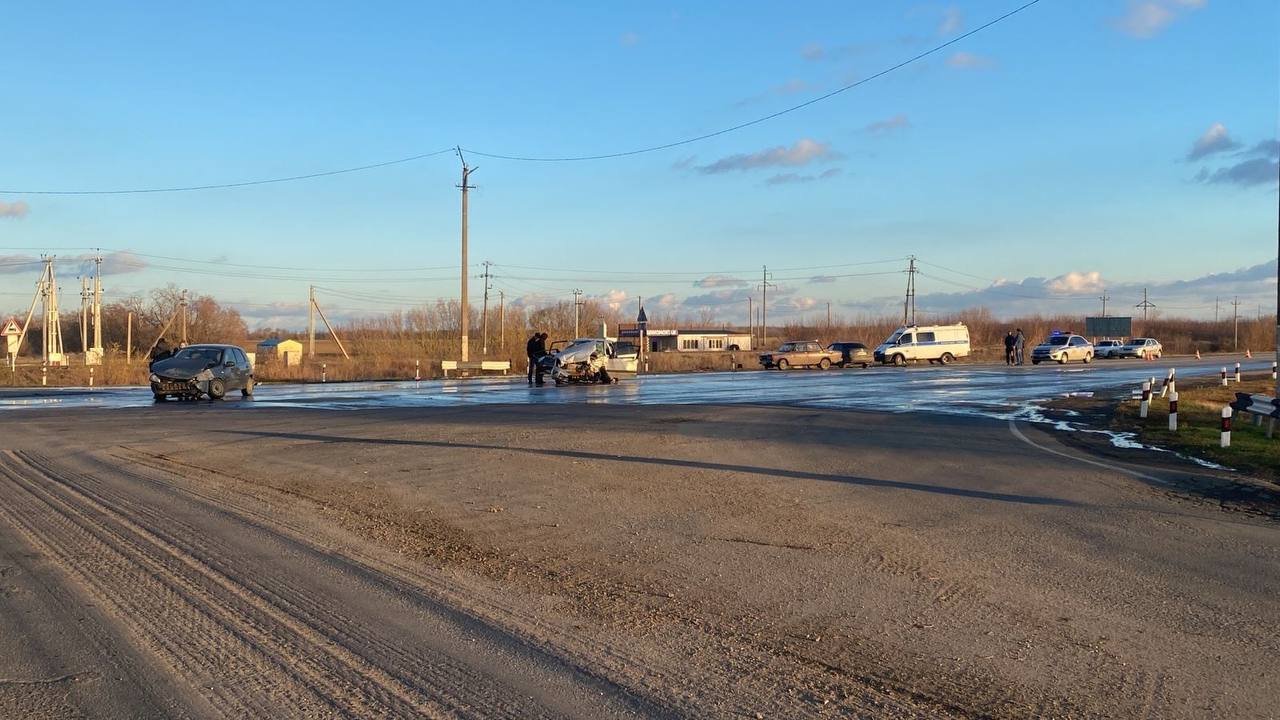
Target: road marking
(1013, 427)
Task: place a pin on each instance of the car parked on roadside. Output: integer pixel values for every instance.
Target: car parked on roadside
(1145, 348)
(851, 353)
(941, 344)
(799, 353)
(1062, 348)
(198, 370)
(1107, 348)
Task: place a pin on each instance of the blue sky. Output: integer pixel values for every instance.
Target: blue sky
(1056, 151)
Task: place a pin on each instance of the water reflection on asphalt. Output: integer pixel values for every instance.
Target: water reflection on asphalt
(986, 390)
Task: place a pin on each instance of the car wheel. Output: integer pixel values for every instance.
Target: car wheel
(159, 397)
(1034, 361)
(864, 366)
(217, 389)
(783, 364)
(1088, 358)
(1062, 359)
(824, 364)
(247, 390)
(900, 360)
(947, 358)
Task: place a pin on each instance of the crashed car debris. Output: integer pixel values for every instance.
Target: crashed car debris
(587, 360)
(198, 371)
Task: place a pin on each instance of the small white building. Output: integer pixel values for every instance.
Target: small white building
(692, 340)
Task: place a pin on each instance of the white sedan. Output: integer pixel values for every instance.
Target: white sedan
(1145, 348)
(1107, 348)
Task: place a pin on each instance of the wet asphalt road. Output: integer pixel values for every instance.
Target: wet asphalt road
(987, 390)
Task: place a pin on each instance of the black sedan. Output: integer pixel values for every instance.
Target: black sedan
(198, 370)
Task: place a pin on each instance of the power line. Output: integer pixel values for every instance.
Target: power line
(771, 116)
(224, 186)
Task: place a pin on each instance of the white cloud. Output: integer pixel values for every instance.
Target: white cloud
(1074, 283)
(880, 127)
(716, 281)
(1148, 18)
(803, 152)
(952, 21)
(1214, 140)
(791, 178)
(968, 61)
(14, 210)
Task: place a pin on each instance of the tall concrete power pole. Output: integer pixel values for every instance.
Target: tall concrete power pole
(484, 310)
(1235, 323)
(97, 310)
(464, 308)
(764, 305)
(909, 304)
(577, 304)
(311, 322)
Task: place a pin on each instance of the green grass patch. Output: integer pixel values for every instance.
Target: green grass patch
(1200, 424)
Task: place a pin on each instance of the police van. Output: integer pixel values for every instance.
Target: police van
(935, 343)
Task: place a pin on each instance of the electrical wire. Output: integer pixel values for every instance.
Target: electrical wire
(771, 116)
(224, 186)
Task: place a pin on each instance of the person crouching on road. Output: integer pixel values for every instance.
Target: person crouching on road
(1009, 340)
(1019, 344)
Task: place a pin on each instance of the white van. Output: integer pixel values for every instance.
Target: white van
(935, 343)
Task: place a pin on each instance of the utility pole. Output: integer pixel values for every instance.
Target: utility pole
(311, 322)
(502, 321)
(84, 318)
(1215, 310)
(751, 322)
(465, 311)
(1105, 297)
(577, 303)
(484, 312)
(97, 309)
(184, 317)
(52, 323)
(1145, 305)
(909, 304)
(1235, 321)
(764, 304)
(128, 340)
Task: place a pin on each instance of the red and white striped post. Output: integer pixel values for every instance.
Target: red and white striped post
(1168, 384)
(1237, 372)
(1224, 376)
(1146, 399)
(1226, 426)
(1273, 369)
(324, 371)
(1173, 411)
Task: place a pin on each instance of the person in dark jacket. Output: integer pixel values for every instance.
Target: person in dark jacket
(1019, 345)
(1009, 340)
(161, 351)
(535, 349)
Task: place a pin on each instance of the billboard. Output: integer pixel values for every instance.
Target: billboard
(1108, 327)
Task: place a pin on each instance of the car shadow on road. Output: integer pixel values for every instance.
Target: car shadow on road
(673, 462)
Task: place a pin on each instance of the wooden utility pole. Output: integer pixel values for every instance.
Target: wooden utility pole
(751, 322)
(484, 311)
(465, 310)
(311, 322)
(333, 334)
(502, 321)
(184, 317)
(128, 340)
(577, 303)
(1235, 322)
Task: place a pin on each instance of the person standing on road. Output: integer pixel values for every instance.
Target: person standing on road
(161, 351)
(1009, 340)
(534, 349)
(1019, 344)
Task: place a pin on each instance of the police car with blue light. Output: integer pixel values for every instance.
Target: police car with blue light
(1063, 347)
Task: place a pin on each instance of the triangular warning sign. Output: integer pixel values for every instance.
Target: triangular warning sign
(642, 318)
(11, 328)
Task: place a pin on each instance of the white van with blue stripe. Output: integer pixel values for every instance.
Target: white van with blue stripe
(935, 343)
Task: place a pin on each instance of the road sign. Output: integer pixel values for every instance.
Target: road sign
(11, 333)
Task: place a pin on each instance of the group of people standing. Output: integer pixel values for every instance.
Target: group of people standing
(1014, 344)
(535, 349)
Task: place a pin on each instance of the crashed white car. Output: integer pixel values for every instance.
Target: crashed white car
(588, 360)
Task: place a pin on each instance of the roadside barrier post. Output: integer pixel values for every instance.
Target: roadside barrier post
(1197, 353)
(44, 374)
(1146, 400)
(90, 376)
(1237, 372)
(1173, 411)
(1226, 426)
(324, 371)
(1224, 376)
(1168, 384)
(417, 370)
(1273, 369)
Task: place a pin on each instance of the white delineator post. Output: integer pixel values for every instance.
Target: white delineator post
(1226, 426)
(1237, 372)
(1224, 377)
(324, 371)
(1173, 411)
(1168, 383)
(1146, 399)
(417, 370)
(1273, 369)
